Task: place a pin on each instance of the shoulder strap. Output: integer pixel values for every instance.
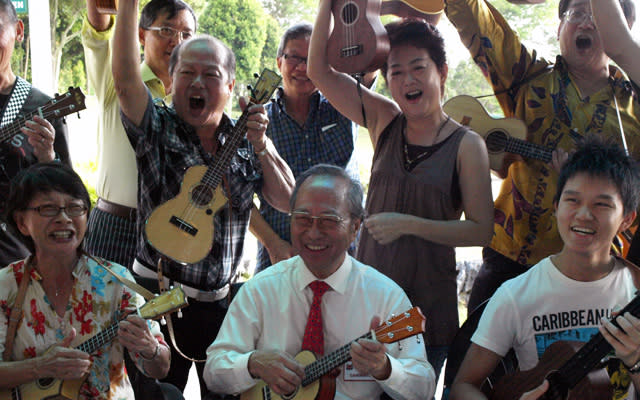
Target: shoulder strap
(18, 96)
(128, 283)
(16, 310)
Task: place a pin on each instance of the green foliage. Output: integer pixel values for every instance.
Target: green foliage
(289, 12)
(242, 25)
(270, 49)
(467, 79)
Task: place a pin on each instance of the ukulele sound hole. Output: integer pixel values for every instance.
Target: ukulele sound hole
(202, 195)
(349, 13)
(44, 383)
(496, 141)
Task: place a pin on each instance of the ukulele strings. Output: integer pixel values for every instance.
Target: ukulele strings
(202, 196)
(14, 127)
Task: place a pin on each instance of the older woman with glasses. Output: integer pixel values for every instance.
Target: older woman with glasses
(68, 299)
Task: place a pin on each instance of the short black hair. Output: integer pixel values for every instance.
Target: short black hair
(297, 31)
(420, 34)
(154, 8)
(628, 8)
(229, 59)
(7, 8)
(42, 178)
(605, 159)
(355, 194)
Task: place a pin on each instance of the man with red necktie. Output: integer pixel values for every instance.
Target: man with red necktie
(320, 300)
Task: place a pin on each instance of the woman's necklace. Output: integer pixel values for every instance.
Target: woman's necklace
(408, 161)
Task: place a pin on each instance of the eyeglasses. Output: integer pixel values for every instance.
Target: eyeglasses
(325, 221)
(170, 33)
(50, 210)
(293, 60)
(578, 16)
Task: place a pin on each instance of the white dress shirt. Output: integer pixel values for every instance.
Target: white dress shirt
(270, 313)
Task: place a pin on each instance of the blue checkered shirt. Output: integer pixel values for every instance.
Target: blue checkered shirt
(326, 137)
(165, 148)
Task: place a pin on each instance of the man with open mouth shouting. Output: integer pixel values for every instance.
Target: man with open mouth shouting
(169, 140)
(578, 94)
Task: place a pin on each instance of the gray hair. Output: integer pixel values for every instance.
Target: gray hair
(355, 194)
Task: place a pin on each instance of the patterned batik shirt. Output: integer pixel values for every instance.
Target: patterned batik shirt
(544, 96)
(96, 301)
(326, 137)
(165, 148)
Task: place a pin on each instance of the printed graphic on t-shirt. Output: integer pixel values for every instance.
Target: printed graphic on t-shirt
(619, 376)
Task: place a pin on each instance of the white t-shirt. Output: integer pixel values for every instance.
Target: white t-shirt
(542, 306)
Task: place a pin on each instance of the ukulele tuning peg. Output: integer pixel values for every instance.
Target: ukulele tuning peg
(163, 321)
(256, 75)
(249, 88)
(179, 313)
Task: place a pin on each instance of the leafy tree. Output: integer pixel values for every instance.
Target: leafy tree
(66, 22)
(289, 12)
(242, 25)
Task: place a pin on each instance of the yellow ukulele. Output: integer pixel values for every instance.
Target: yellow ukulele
(52, 388)
(318, 382)
(182, 228)
(500, 134)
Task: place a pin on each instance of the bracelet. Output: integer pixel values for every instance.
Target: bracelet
(634, 369)
(155, 354)
(263, 151)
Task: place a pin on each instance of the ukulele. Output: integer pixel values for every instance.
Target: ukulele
(501, 135)
(570, 367)
(358, 42)
(182, 228)
(429, 10)
(107, 6)
(317, 383)
(62, 105)
(50, 388)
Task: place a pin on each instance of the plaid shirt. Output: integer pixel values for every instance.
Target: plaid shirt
(326, 137)
(165, 148)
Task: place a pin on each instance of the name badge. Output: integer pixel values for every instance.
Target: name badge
(352, 374)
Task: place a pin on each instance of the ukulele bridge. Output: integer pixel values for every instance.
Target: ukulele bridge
(351, 51)
(183, 225)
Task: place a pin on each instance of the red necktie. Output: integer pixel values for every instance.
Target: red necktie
(313, 339)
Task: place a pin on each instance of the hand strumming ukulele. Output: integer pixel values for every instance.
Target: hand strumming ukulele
(318, 384)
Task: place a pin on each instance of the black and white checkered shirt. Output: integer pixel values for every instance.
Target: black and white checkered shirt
(165, 148)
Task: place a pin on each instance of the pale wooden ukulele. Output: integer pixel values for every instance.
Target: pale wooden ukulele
(52, 388)
(500, 134)
(182, 228)
(318, 384)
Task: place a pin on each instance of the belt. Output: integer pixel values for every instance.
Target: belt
(197, 294)
(118, 210)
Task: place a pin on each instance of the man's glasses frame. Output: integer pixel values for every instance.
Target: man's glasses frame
(325, 221)
(576, 16)
(51, 210)
(168, 32)
(294, 60)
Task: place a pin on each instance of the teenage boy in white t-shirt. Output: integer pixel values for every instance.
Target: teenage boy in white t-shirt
(570, 295)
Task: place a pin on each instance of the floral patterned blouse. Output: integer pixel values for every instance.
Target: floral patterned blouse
(96, 300)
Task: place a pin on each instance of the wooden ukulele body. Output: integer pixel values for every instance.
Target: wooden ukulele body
(594, 386)
(358, 42)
